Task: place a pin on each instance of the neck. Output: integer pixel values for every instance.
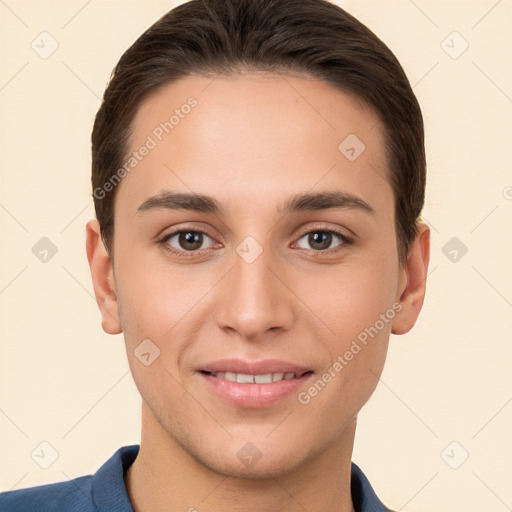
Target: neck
(165, 477)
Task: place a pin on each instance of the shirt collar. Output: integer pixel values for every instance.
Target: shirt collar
(363, 495)
(109, 492)
(110, 495)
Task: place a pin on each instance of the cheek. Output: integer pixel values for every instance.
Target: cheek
(154, 307)
(166, 305)
(350, 298)
(153, 296)
(351, 306)
(355, 306)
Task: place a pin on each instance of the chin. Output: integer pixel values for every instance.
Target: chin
(273, 466)
(257, 459)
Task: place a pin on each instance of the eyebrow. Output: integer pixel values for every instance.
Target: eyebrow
(169, 200)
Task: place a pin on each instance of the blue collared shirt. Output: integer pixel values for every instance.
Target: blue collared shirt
(105, 491)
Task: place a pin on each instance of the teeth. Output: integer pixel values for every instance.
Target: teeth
(244, 378)
(263, 379)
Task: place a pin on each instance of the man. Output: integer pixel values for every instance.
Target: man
(258, 175)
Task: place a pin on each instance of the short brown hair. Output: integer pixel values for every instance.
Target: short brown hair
(314, 37)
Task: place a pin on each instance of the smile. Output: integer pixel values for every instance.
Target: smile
(253, 385)
(244, 378)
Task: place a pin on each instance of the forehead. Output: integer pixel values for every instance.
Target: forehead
(254, 133)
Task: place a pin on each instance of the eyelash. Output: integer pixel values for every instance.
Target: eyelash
(189, 254)
(345, 240)
(183, 254)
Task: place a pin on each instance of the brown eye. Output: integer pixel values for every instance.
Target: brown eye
(187, 240)
(321, 240)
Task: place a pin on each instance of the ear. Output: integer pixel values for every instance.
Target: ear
(102, 274)
(412, 282)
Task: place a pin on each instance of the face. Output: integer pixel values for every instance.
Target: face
(282, 276)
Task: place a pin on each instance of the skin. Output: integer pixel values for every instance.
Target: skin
(251, 143)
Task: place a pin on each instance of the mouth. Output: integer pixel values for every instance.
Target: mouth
(253, 385)
(265, 378)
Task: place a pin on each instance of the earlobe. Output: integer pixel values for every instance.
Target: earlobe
(411, 289)
(100, 264)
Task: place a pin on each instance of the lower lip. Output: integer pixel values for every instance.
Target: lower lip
(254, 396)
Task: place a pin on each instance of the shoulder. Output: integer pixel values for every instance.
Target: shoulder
(103, 491)
(62, 496)
(363, 495)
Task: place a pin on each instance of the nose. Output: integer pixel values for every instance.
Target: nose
(255, 299)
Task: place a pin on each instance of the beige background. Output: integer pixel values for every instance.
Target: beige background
(63, 381)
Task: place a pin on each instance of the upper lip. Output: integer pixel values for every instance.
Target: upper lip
(254, 367)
